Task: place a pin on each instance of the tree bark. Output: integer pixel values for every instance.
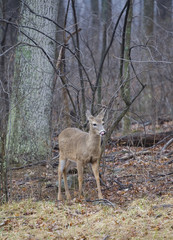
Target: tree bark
(148, 17)
(62, 18)
(124, 66)
(148, 25)
(29, 123)
(82, 83)
(106, 19)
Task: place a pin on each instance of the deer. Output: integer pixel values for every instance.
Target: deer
(82, 148)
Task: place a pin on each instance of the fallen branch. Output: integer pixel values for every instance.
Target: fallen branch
(43, 163)
(160, 176)
(14, 217)
(163, 206)
(166, 145)
(145, 140)
(131, 155)
(107, 237)
(170, 162)
(106, 201)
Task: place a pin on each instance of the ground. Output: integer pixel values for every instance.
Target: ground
(145, 218)
(127, 173)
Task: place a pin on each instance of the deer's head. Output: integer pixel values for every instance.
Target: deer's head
(96, 123)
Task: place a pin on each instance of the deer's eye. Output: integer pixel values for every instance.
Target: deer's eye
(94, 124)
(103, 123)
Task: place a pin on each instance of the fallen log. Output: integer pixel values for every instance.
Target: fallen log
(166, 145)
(142, 139)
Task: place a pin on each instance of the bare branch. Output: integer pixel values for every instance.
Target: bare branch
(105, 54)
(166, 145)
(49, 19)
(141, 61)
(10, 48)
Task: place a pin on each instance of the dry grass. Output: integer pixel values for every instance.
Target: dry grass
(142, 219)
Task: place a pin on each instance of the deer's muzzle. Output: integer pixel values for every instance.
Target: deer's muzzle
(102, 133)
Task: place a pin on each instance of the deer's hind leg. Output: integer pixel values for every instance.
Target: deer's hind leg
(61, 168)
(95, 168)
(65, 180)
(80, 176)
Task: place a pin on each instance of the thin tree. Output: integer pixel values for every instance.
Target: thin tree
(106, 19)
(125, 64)
(79, 64)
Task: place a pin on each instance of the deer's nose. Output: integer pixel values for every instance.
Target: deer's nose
(102, 132)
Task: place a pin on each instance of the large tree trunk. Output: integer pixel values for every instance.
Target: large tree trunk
(8, 10)
(29, 124)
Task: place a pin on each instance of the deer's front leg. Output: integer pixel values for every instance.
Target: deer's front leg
(80, 176)
(95, 168)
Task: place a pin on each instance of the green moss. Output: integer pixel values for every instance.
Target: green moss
(23, 51)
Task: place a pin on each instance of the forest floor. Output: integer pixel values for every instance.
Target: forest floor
(137, 185)
(146, 218)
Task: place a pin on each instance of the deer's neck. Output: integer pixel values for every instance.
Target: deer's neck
(94, 140)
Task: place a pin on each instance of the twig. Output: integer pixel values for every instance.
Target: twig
(122, 186)
(169, 162)
(105, 54)
(163, 206)
(134, 154)
(11, 48)
(169, 154)
(160, 176)
(65, 46)
(105, 238)
(29, 165)
(161, 141)
(55, 157)
(15, 217)
(166, 145)
(48, 19)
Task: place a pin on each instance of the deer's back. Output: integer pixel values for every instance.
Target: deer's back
(70, 139)
(71, 134)
(74, 146)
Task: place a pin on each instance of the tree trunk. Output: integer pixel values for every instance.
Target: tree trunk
(148, 17)
(62, 20)
(8, 10)
(164, 13)
(29, 123)
(95, 12)
(124, 70)
(106, 18)
(82, 83)
(148, 25)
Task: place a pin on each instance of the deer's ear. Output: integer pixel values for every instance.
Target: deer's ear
(88, 115)
(102, 113)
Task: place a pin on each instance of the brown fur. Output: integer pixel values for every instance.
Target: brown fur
(82, 148)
